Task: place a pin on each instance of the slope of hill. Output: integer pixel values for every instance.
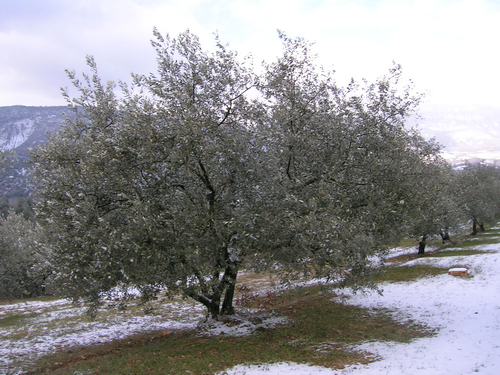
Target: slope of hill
(22, 128)
(466, 132)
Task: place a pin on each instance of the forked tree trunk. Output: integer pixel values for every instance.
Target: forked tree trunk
(230, 276)
(421, 244)
(224, 292)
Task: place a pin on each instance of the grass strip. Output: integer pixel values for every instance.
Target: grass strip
(15, 319)
(408, 273)
(457, 253)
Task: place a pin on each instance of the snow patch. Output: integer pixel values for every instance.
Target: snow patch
(279, 368)
(240, 324)
(46, 331)
(15, 134)
(465, 312)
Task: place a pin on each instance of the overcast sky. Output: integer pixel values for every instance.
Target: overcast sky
(449, 48)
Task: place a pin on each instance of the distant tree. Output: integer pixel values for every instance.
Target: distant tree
(5, 159)
(24, 206)
(4, 207)
(18, 241)
(204, 167)
(477, 189)
(434, 211)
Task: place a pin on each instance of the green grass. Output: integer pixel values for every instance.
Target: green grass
(407, 273)
(491, 233)
(475, 241)
(456, 253)
(319, 334)
(14, 319)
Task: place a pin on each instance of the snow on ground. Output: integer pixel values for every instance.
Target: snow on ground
(464, 311)
(240, 325)
(51, 326)
(44, 327)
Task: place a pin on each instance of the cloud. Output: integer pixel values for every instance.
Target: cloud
(446, 46)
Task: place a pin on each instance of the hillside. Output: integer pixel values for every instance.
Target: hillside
(22, 128)
(466, 132)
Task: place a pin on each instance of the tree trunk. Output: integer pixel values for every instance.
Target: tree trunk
(225, 288)
(215, 299)
(230, 276)
(474, 227)
(445, 236)
(227, 305)
(421, 245)
(211, 302)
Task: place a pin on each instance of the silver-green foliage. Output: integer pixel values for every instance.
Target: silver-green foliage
(477, 188)
(205, 167)
(18, 246)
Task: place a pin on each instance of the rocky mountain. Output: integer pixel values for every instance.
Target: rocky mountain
(466, 132)
(22, 128)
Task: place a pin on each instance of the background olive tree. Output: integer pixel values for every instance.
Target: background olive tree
(204, 167)
(477, 192)
(434, 211)
(19, 241)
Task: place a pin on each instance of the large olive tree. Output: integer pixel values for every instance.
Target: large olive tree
(203, 168)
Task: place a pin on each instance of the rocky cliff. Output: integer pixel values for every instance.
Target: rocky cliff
(23, 128)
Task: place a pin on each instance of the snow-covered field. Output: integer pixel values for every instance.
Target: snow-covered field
(30, 330)
(45, 327)
(464, 311)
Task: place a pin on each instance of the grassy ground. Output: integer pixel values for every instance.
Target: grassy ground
(320, 331)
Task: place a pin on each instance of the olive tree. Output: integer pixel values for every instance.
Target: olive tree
(18, 245)
(433, 209)
(477, 188)
(203, 168)
(155, 190)
(355, 179)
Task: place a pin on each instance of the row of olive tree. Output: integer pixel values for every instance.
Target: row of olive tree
(477, 194)
(449, 199)
(206, 167)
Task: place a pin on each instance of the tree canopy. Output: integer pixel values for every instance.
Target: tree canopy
(476, 192)
(205, 167)
(19, 241)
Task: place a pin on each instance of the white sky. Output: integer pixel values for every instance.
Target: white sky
(449, 48)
